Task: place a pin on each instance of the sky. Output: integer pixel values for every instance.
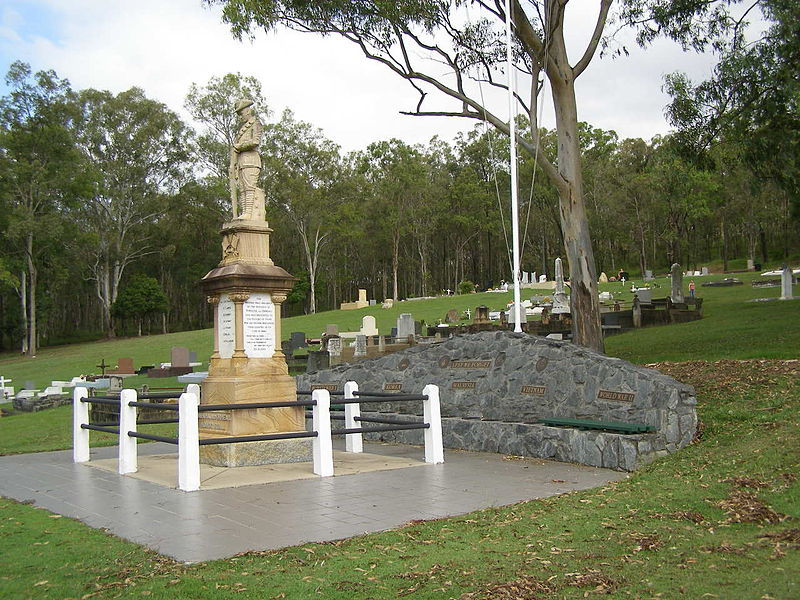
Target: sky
(163, 46)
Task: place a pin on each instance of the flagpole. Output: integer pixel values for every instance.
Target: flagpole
(514, 195)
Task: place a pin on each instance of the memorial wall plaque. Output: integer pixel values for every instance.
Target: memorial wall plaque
(258, 316)
(470, 364)
(463, 385)
(392, 387)
(331, 387)
(534, 390)
(615, 396)
(226, 327)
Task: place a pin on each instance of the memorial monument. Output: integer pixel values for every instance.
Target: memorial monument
(247, 290)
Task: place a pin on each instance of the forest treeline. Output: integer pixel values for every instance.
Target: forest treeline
(111, 205)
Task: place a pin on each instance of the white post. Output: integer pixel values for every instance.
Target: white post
(80, 416)
(354, 442)
(434, 451)
(128, 461)
(188, 440)
(321, 423)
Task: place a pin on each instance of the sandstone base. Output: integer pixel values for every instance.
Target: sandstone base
(245, 454)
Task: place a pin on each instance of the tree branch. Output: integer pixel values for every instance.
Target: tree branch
(581, 65)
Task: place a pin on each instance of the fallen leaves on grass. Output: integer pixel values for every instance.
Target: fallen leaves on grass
(747, 482)
(602, 584)
(522, 588)
(743, 506)
(645, 542)
(723, 548)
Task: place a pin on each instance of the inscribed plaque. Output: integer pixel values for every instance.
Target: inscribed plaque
(258, 317)
(226, 327)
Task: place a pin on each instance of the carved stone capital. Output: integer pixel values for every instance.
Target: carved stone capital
(212, 299)
(278, 298)
(239, 296)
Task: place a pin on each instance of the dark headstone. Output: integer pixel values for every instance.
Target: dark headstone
(318, 360)
(179, 357)
(192, 357)
(298, 339)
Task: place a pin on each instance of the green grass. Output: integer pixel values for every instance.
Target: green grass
(731, 328)
(716, 520)
(52, 430)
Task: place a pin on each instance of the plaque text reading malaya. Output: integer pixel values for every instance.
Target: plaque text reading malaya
(259, 326)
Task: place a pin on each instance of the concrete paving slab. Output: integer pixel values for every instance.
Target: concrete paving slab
(162, 469)
(217, 523)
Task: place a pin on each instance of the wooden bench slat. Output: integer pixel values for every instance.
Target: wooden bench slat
(609, 425)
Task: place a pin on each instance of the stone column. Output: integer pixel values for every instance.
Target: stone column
(677, 284)
(214, 301)
(277, 300)
(786, 284)
(238, 300)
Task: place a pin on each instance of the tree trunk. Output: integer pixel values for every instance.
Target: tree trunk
(33, 340)
(23, 298)
(585, 304)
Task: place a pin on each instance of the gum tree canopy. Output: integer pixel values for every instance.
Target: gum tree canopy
(447, 46)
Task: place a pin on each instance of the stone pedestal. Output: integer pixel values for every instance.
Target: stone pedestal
(247, 365)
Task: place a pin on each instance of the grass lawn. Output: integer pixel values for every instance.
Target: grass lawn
(731, 328)
(716, 520)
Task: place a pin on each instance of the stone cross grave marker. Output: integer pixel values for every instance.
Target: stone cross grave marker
(677, 284)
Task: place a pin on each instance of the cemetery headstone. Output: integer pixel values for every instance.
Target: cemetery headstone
(786, 284)
(317, 361)
(648, 275)
(298, 339)
(542, 278)
(560, 300)
(751, 265)
(704, 271)
(179, 356)
(381, 344)
(452, 316)
(417, 327)
(335, 346)
(481, 314)
(368, 327)
(360, 349)
(393, 333)
(124, 367)
(603, 278)
(512, 314)
(405, 326)
(645, 295)
(362, 296)
(677, 284)
(388, 303)
(331, 329)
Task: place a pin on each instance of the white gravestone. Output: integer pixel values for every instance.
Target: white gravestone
(368, 326)
(258, 317)
(226, 328)
(786, 284)
(512, 314)
(560, 300)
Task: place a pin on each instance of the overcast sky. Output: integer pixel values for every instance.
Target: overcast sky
(163, 46)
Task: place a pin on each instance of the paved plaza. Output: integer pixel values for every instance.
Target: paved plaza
(219, 522)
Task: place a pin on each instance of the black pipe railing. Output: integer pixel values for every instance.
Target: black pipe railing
(259, 438)
(251, 405)
(380, 428)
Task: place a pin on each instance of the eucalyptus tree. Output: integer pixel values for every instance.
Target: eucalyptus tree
(302, 169)
(438, 46)
(42, 173)
(212, 107)
(140, 149)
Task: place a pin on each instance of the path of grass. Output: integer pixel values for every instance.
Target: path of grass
(732, 328)
(716, 520)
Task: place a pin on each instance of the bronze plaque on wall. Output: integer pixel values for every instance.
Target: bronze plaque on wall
(615, 396)
(534, 390)
(470, 364)
(331, 387)
(463, 385)
(392, 387)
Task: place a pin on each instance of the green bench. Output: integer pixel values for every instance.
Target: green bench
(615, 426)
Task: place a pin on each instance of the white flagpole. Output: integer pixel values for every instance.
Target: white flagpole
(514, 196)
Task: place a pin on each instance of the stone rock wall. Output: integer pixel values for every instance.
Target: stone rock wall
(496, 386)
